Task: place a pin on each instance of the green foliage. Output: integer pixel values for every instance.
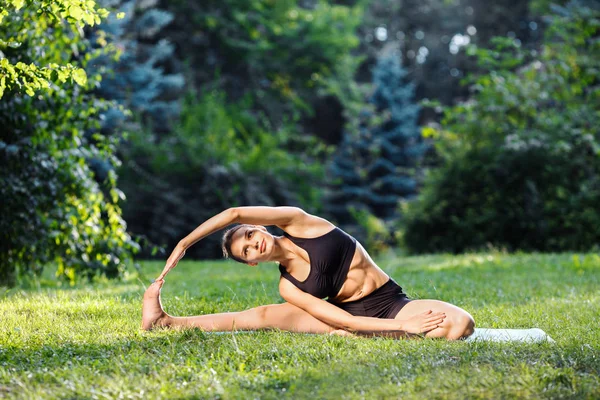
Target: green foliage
(215, 132)
(55, 210)
(521, 159)
(219, 156)
(542, 7)
(375, 168)
(376, 236)
(281, 53)
(66, 17)
(246, 139)
(431, 35)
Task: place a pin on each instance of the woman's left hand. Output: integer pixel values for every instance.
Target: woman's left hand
(174, 258)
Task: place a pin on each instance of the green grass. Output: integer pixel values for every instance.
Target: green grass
(83, 341)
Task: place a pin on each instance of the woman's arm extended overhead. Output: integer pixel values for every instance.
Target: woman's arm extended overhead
(335, 316)
(260, 215)
(280, 216)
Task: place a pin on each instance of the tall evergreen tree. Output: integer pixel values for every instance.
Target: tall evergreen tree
(139, 82)
(374, 168)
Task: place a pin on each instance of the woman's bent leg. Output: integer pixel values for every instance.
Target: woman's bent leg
(458, 324)
(284, 316)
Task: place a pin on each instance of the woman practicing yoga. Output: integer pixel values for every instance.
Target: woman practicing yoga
(317, 260)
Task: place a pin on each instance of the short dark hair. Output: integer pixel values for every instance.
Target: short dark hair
(226, 243)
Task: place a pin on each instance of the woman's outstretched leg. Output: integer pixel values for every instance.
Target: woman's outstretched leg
(280, 316)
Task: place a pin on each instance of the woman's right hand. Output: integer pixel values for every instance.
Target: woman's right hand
(423, 322)
(176, 255)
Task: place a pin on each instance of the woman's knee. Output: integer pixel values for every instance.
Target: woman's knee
(463, 326)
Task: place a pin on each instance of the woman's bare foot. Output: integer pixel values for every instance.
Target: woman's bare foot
(152, 312)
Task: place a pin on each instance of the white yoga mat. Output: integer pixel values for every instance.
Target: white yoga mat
(510, 335)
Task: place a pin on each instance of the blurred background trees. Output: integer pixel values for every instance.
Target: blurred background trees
(373, 169)
(437, 125)
(521, 164)
(256, 73)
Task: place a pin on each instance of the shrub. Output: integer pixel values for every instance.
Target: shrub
(53, 208)
(521, 159)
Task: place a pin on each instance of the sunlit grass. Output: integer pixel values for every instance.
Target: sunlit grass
(84, 342)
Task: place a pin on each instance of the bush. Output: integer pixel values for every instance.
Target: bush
(549, 205)
(521, 159)
(53, 208)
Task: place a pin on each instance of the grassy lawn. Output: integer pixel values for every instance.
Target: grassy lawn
(83, 341)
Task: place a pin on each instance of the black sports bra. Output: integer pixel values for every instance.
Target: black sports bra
(330, 257)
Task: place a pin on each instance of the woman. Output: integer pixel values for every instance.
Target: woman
(316, 260)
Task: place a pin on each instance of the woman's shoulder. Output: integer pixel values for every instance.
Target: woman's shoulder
(310, 226)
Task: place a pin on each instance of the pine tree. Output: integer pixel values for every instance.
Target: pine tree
(375, 168)
(139, 82)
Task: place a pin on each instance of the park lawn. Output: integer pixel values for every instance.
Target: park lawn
(84, 341)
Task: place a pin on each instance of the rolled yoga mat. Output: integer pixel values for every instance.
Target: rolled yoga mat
(509, 335)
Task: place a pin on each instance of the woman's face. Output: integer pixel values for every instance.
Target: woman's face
(252, 243)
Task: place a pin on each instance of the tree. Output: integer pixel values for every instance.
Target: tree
(432, 36)
(138, 81)
(376, 168)
(283, 54)
(52, 208)
(243, 136)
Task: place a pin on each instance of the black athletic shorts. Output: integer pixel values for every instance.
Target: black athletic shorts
(384, 302)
